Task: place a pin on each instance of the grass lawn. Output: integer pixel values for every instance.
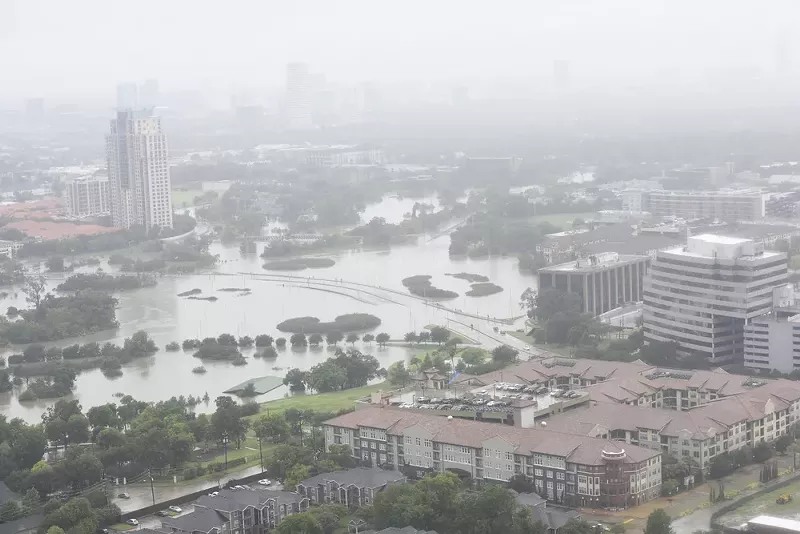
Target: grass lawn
(180, 196)
(562, 220)
(323, 402)
(766, 505)
(552, 347)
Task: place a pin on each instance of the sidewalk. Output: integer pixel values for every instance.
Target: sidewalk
(142, 496)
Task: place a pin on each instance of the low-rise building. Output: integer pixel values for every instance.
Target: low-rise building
(576, 470)
(241, 511)
(551, 518)
(350, 487)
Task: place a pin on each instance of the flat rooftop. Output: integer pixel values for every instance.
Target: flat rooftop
(604, 261)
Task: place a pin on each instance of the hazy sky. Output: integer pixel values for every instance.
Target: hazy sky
(53, 46)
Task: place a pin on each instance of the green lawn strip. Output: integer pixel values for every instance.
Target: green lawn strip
(454, 334)
(322, 402)
(179, 197)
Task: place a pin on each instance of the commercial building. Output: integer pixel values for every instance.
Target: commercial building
(604, 281)
(138, 171)
(298, 97)
(723, 205)
(772, 341)
(237, 511)
(575, 470)
(87, 196)
(702, 295)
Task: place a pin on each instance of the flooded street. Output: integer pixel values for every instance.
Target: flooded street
(272, 299)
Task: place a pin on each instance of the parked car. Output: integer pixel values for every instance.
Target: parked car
(176, 509)
(162, 513)
(213, 494)
(124, 496)
(265, 482)
(132, 522)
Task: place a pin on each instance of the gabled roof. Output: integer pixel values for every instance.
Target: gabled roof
(200, 520)
(364, 477)
(575, 448)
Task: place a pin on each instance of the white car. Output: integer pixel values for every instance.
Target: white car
(176, 509)
(527, 348)
(132, 522)
(265, 482)
(213, 494)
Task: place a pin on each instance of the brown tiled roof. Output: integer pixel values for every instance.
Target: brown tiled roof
(576, 448)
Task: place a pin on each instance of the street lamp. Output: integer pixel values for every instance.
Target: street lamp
(225, 446)
(260, 453)
(355, 524)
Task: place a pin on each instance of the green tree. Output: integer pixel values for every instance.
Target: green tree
(296, 379)
(315, 339)
(762, 452)
(334, 337)
(352, 338)
(328, 516)
(302, 523)
(658, 522)
(398, 374)
(10, 511)
(326, 377)
(55, 530)
(280, 342)
(504, 355)
(298, 340)
(263, 340)
(272, 428)
(368, 338)
(440, 334)
(382, 339)
(410, 337)
(551, 301)
(783, 443)
(30, 501)
(296, 475)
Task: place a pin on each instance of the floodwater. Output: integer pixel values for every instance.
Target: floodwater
(166, 317)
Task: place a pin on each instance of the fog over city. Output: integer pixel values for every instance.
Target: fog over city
(444, 267)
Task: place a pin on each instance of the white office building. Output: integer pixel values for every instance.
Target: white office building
(702, 295)
(298, 97)
(723, 205)
(772, 341)
(138, 170)
(87, 196)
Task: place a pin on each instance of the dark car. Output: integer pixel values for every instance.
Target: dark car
(162, 513)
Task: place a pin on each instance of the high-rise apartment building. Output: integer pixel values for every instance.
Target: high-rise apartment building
(127, 96)
(703, 295)
(138, 170)
(298, 97)
(87, 196)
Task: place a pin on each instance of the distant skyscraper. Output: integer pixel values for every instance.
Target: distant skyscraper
(34, 109)
(298, 97)
(127, 96)
(561, 74)
(138, 170)
(148, 94)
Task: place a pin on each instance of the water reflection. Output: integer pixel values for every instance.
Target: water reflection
(167, 317)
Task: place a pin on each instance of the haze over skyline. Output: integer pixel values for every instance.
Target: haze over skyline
(88, 46)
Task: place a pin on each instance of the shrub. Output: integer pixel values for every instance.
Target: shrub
(172, 346)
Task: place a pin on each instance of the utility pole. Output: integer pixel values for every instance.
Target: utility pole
(152, 489)
(260, 454)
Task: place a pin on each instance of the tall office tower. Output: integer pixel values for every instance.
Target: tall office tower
(704, 294)
(138, 170)
(561, 74)
(148, 94)
(87, 196)
(298, 97)
(127, 96)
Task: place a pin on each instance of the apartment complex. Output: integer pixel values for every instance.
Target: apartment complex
(237, 511)
(702, 295)
(603, 281)
(350, 487)
(760, 414)
(723, 205)
(138, 171)
(575, 470)
(87, 196)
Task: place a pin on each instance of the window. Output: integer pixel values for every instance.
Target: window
(510, 456)
(560, 475)
(408, 440)
(539, 472)
(538, 459)
(418, 441)
(428, 443)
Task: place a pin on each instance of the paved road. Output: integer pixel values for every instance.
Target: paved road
(141, 495)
